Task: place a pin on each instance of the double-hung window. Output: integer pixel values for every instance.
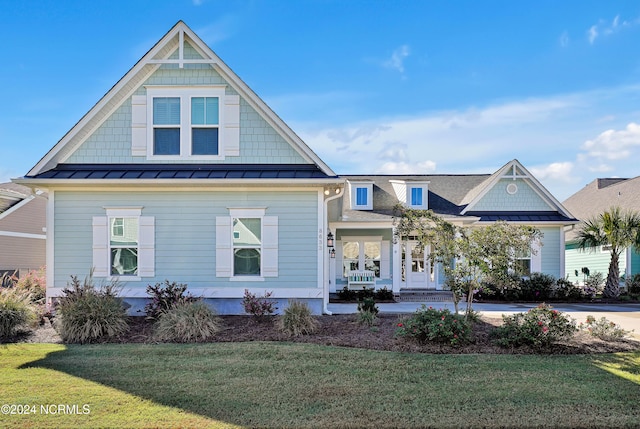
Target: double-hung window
(204, 125)
(522, 263)
(166, 125)
(247, 246)
(123, 246)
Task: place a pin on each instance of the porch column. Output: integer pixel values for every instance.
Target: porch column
(396, 267)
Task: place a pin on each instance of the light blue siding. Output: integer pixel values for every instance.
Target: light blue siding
(185, 234)
(551, 251)
(635, 262)
(594, 259)
(259, 142)
(498, 199)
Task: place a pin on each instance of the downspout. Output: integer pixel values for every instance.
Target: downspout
(327, 259)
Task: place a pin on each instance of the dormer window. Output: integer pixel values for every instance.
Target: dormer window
(413, 194)
(361, 195)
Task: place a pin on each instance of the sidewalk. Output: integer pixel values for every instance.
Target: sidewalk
(625, 315)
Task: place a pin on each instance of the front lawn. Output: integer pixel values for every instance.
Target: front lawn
(300, 385)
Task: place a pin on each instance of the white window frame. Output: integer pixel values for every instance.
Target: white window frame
(268, 244)
(425, 195)
(353, 187)
(102, 246)
(185, 94)
(112, 246)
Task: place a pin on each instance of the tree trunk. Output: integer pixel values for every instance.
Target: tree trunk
(469, 302)
(612, 287)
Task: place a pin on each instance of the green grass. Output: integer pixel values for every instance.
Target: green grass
(297, 385)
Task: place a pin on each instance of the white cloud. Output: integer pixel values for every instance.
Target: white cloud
(561, 139)
(612, 145)
(396, 62)
(564, 39)
(424, 167)
(606, 28)
(555, 171)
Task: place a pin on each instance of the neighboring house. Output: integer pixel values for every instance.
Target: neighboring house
(22, 229)
(592, 200)
(182, 173)
(363, 223)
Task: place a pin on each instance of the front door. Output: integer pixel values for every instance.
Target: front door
(418, 272)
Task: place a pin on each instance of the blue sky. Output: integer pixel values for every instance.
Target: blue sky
(372, 86)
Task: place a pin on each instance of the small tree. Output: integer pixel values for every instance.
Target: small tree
(617, 230)
(468, 255)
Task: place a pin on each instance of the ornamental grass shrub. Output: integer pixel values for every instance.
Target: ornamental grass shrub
(86, 313)
(16, 312)
(539, 327)
(297, 319)
(186, 322)
(603, 329)
(439, 326)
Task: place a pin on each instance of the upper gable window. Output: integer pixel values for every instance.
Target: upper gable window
(166, 126)
(204, 125)
(362, 196)
(177, 123)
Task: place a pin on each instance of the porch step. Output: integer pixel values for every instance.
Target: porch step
(409, 295)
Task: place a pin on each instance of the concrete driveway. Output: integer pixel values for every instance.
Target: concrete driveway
(625, 315)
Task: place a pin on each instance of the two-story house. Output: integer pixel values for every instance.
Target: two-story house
(182, 173)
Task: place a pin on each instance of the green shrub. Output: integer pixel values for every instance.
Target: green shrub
(593, 285)
(431, 325)
(633, 284)
(539, 327)
(367, 318)
(346, 294)
(297, 319)
(165, 296)
(604, 329)
(186, 322)
(537, 287)
(258, 306)
(88, 314)
(567, 290)
(367, 311)
(383, 294)
(16, 312)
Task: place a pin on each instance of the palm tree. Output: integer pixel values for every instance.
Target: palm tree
(615, 229)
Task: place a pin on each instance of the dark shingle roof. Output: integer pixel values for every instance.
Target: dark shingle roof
(446, 193)
(448, 196)
(186, 171)
(520, 216)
